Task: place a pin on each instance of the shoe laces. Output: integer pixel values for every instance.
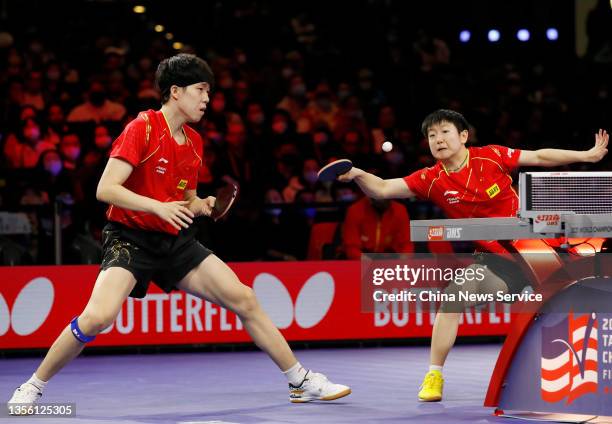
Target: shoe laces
(317, 379)
(431, 378)
(26, 389)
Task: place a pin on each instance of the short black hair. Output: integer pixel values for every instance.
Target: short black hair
(182, 70)
(444, 115)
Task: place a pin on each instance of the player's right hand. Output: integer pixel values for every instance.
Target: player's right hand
(350, 175)
(175, 213)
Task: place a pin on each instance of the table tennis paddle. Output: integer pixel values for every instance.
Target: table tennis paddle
(332, 170)
(225, 198)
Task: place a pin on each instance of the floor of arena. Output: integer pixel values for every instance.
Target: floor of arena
(246, 387)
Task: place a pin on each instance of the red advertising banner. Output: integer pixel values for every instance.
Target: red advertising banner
(306, 300)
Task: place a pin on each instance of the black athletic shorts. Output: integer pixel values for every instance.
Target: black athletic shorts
(154, 256)
(506, 269)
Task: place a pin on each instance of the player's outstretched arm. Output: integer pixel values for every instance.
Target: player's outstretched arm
(559, 157)
(376, 187)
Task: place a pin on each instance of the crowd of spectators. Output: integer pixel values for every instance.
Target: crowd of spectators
(278, 112)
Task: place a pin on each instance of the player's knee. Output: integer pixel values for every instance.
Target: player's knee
(247, 303)
(93, 322)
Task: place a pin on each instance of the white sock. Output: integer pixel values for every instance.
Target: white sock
(37, 382)
(296, 374)
(435, 368)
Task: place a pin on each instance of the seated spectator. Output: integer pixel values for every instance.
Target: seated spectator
(322, 109)
(295, 102)
(23, 149)
(306, 181)
(97, 107)
(33, 94)
(376, 226)
(56, 123)
(70, 150)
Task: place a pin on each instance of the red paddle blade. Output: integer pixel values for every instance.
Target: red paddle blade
(225, 197)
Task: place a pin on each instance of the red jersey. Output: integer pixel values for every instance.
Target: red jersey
(163, 169)
(481, 189)
(366, 231)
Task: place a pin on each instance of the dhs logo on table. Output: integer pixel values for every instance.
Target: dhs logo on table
(438, 233)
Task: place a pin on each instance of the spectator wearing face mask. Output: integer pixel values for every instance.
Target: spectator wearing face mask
(56, 123)
(322, 109)
(11, 104)
(370, 96)
(70, 151)
(97, 107)
(307, 181)
(376, 226)
(295, 102)
(23, 148)
(33, 94)
(282, 129)
(216, 112)
(354, 147)
(57, 179)
(94, 161)
(285, 166)
(58, 185)
(344, 193)
(241, 96)
(322, 145)
(53, 87)
(235, 161)
(96, 157)
(88, 175)
(350, 116)
(256, 123)
(386, 128)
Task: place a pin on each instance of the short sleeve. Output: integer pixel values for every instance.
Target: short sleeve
(508, 157)
(418, 183)
(131, 144)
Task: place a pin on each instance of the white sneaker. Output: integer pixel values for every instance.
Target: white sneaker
(26, 394)
(317, 387)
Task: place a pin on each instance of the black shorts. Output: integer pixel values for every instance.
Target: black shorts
(506, 269)
(154, 256)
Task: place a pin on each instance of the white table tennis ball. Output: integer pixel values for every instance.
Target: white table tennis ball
(387, 146)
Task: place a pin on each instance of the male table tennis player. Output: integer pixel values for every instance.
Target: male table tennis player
(150, 184)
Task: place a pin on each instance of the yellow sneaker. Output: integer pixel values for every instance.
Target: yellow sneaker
(431, 389)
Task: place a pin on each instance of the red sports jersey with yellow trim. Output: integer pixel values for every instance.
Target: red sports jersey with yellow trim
(481, 189)
(163, 169)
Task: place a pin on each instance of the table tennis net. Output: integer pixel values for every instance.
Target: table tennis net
(579, 192)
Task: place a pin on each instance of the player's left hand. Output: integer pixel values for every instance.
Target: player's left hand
(597, 152)
(202, 207)
(207, 206)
